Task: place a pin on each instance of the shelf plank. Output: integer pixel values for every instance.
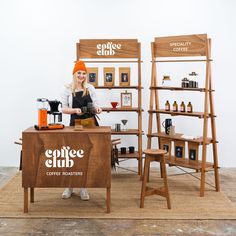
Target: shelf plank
(118, 87)
(187, 60)
(179, 88)
(129, 155)
(111, 61)
(128, 132)
(178, 113)
(110, 109)
(186, 163)
(178, 136)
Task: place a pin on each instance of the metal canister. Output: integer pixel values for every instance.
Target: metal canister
(185, 83)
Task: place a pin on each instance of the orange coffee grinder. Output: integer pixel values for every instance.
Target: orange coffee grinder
(43, 115)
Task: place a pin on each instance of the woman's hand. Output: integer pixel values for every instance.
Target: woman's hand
(98, 110)
(77, 111)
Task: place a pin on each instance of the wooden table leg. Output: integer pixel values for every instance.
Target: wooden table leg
(25, 200)
(108, 200)
(32, 195)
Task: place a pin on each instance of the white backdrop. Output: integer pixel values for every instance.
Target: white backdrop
(37, 51)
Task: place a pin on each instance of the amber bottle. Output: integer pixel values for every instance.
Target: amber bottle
(175, 106)
(182, 107)
(189, 107)
(167, 106)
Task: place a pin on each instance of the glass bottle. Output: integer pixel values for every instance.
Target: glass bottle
(175, 106)
(189, 107)
(182, 107)
(167, 106)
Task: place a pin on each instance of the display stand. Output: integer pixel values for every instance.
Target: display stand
(170, 50)
(79, 159)
(116, 51)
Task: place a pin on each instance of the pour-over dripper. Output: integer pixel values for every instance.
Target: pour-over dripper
(124, 122)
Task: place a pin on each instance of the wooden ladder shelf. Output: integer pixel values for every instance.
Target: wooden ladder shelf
(163, 50)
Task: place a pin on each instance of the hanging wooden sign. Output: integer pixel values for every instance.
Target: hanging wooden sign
(181, 46)
(107, 48)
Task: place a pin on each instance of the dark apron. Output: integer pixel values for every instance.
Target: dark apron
(79, 101)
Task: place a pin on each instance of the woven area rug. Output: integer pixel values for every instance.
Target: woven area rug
(125, 200)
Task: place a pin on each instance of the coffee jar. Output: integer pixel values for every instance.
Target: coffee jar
(193, 80)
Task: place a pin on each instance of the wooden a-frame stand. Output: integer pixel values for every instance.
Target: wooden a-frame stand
(169, 50)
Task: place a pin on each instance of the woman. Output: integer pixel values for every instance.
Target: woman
(76, 95)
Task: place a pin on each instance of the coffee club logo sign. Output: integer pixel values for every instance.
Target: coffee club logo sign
(107, 49)
(63, 158)
(66, 155)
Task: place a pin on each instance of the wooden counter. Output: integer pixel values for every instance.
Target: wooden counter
(66, 158)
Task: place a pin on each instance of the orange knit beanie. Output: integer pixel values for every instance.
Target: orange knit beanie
(79, 65)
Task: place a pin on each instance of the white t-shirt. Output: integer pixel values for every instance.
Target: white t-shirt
(66, 96)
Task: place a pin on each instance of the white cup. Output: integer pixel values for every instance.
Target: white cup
(172, 130)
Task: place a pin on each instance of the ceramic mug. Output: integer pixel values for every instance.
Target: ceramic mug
(166, 124)
(131, 149)
(123, 150)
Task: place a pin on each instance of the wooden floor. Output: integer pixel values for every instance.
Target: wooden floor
(122, 227)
